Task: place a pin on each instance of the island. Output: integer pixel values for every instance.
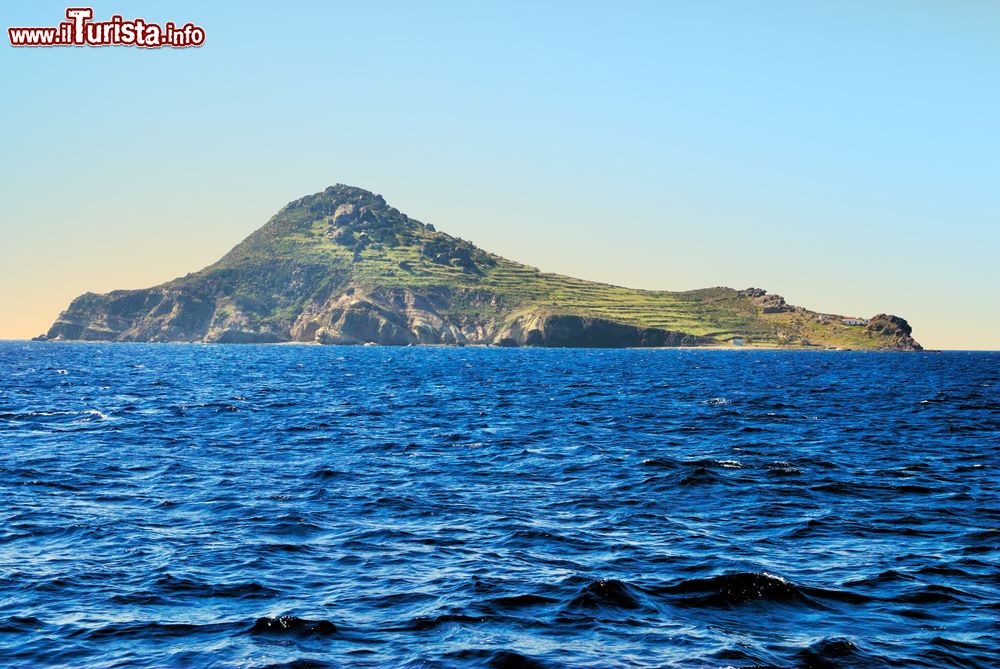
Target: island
(343, 267)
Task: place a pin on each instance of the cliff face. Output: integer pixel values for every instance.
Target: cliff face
(896, 330)
(343, 267)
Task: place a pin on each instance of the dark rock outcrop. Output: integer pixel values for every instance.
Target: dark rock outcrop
(580, 332)
(769, 304)
(896, 330)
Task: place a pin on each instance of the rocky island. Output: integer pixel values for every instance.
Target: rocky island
(343, 267)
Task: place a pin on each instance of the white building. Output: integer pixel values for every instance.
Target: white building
(852, 320)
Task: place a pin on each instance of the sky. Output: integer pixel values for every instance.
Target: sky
(844, 155)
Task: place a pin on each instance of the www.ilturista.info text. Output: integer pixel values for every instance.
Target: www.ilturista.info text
(79, 30)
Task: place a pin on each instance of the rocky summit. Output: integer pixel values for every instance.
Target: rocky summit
(344, 267)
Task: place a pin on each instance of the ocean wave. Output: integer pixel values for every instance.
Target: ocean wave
(292, 626)
(607, 593)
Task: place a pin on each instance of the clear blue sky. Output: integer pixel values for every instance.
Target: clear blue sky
(845, 155)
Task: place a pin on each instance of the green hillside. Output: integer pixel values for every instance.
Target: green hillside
(342, 266)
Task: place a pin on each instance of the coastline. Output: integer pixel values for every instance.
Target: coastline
(748, 347)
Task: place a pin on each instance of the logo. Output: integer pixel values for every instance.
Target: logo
(80, 30)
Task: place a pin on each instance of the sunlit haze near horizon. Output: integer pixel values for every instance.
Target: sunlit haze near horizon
(843, 155)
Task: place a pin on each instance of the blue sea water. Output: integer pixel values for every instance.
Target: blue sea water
(294, 506)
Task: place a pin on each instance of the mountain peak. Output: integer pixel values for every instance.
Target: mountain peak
(339, 194)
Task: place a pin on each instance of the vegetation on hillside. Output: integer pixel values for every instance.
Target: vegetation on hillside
(345, 263)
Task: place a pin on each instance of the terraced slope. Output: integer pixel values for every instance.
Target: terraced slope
(343, 267)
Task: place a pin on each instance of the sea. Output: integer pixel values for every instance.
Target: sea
(184, 505)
